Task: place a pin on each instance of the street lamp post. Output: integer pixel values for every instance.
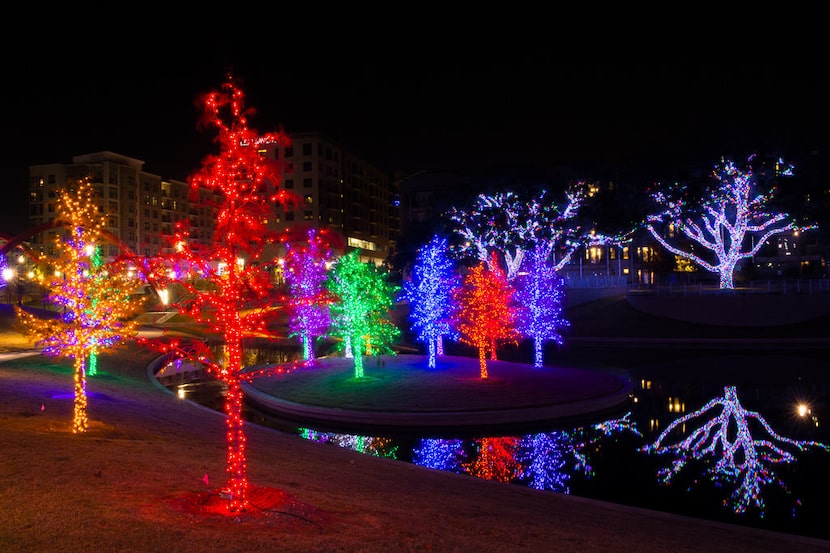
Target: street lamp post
(8, 276)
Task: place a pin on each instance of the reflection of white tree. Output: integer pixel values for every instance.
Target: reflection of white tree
(379, 447)
(739, 459)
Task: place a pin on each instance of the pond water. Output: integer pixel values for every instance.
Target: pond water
(754, 423)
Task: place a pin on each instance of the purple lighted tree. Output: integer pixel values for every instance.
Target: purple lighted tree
(539, 298)
(429, 292)
(360, 310)
(508, 224)
(731, 222)
(737, 457)
(306, 273)
(485, 315)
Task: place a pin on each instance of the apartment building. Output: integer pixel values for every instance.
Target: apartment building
(140, 207)
(330, 188)
(334, 189)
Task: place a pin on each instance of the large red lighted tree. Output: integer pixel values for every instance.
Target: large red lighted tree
(242, 187)
(485, 316)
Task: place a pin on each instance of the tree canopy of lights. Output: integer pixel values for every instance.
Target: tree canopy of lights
(539, 298)
(495, 459)
(440, 453)
(429, 293)
(484, 317)
(376, 446)
(306, 273)
(732, 220)
(549, 459)
(737, 457)
(511, 225)
(240, 187)
(97, 310)
(361, 306)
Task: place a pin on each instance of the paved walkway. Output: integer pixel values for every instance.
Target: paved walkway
(400, 393)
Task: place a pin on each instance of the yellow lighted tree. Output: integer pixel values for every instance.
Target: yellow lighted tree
(94, 301)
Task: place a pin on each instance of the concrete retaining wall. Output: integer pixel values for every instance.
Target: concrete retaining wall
(735, 309)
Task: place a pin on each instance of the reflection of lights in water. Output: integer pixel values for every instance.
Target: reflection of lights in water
(739, 459)
(676, 405)
(181, 392)
(645, 384)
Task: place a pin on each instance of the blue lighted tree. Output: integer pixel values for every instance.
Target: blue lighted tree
(429, 292)
(731, 221)
(539, 298)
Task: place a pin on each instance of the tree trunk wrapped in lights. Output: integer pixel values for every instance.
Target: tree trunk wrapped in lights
(360, 311)
(731, 220)
(96, 307)
(485, 316)
(240, 187)
(429, 293)
(306, 273)
(539, 300)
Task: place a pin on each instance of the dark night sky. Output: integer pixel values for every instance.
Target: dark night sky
(469, 105)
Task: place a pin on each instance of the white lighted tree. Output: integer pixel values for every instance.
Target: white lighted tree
(732, 220)
(738, 458)
(511, 225)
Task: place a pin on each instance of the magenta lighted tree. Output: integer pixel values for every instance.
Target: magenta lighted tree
(241, 187)
(96, 307)
(306, 272)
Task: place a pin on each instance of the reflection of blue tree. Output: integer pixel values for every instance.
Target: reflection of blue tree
(545, 459)
(549, 459)
(739, 459)
(440, 454)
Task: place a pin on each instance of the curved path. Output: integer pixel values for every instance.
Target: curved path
(400, 394)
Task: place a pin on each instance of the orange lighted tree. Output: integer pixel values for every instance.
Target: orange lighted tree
(95, 302)
(237, 290)
(485, 315)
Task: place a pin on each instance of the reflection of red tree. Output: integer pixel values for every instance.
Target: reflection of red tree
(496, 460)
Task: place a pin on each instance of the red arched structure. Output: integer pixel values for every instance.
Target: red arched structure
(18, 241)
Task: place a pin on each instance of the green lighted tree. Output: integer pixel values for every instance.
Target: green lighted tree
(360, 311)
(97, 307)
